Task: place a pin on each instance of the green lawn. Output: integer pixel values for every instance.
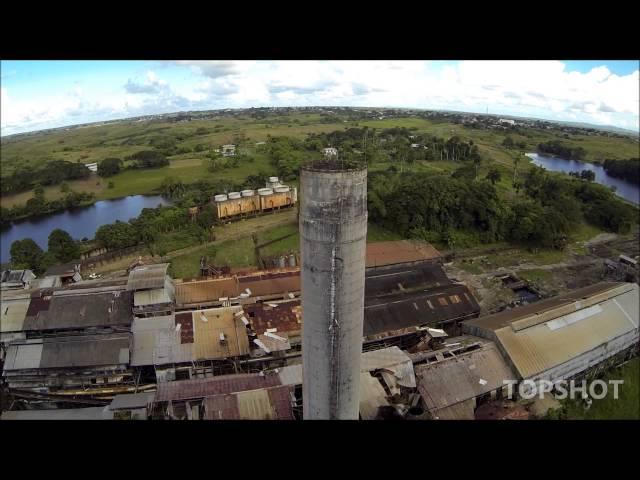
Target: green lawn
(626, 407)
(233, 253)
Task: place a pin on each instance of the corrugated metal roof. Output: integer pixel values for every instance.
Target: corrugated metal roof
(285, 316)
(206, 387)
(262, 404)
(22, 357)
(148, 276)
(131, 401)
(202, 291)
(13, 314)
(271, 283)
(401, 251)
(290, 375)
(506, 317)
(372, 396)
(92, 413)
(542, 346)
(151, 297)
(95, 350)
(451, 381)
(206, 334)
(434, 305)
(82, 311)
(275, 345)
(398, 278)
(156, 342)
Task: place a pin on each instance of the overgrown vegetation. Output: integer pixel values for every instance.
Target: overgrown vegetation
(626, 169)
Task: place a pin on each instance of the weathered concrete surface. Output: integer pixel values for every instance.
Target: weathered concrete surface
(333, 232)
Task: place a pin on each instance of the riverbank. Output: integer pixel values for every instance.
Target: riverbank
(78, 222)
(626, 191)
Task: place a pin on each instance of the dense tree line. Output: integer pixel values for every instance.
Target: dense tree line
(557, 148)
(447, 208)
(626, 169)
(148, 159)
(38, 205)
(109, 167)
(52, 173)
(26, 254)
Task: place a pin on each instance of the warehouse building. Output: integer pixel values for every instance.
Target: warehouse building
(563, 337)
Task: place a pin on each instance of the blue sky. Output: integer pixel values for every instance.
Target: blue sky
(46, 94)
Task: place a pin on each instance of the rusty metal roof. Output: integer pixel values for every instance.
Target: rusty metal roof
(285, 316)
(206, 387)
(431, 306)
(272, 403)
(148, 276)
(271, 283)
(454, 380)
(202, 291)
(401, 251)
(206, 334)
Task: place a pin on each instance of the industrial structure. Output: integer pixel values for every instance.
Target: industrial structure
(274, 196)
(333, 234)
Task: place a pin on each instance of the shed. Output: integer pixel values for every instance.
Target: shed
(455, 383)
(148, 276)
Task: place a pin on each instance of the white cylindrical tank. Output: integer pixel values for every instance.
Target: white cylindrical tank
(248, 193)
(265, 191)
(220, 198)
(234, 195)
(273, 180)
(281, 189)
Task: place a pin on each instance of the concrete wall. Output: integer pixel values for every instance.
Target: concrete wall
(333, 231)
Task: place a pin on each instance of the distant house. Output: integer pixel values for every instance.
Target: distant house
(330, 152)
(415, 145)
(16, 279)
(505, 120)
(92, 166)
(228, 150)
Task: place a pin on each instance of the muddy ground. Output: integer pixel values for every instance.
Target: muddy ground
(578, 267)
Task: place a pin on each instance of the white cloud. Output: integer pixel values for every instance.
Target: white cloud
(542, 89)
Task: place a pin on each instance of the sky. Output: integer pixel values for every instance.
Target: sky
(46, 94)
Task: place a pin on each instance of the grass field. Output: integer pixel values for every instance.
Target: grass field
(94, 143)
(626, 407)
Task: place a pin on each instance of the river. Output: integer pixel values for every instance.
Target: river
(624, 189)
(79, 222)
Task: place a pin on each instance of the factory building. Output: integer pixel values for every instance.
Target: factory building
(562, 337)
(274, 196)
(333, 233)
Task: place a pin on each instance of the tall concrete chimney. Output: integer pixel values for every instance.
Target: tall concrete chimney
(333, 235)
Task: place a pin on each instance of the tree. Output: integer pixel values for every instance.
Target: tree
(26, 254)
(508, 142)
(117, 235)
(62, 246)
(64, 187)
(109, 167)
(494, 175)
